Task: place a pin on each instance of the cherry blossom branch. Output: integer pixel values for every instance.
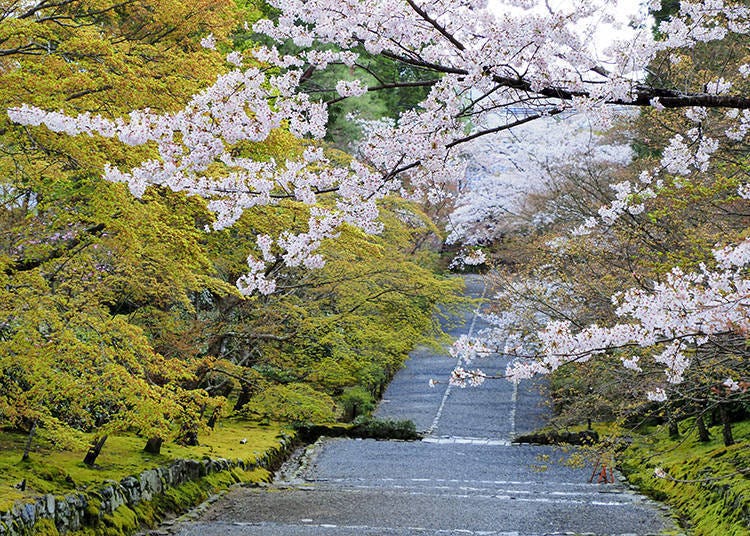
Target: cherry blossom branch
(441, 29)
(641, 95)
(500, 128)
(519, 58)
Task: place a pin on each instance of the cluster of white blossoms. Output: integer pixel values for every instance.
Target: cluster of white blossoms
(536, 59)
(465, 350)
(350, 88)
(466, 258)
(242, 105)
(673, 317)
(460, 377)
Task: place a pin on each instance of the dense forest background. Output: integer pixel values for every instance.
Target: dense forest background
(121, 314)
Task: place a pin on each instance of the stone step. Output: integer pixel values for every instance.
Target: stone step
(561, 493)
(453, 440)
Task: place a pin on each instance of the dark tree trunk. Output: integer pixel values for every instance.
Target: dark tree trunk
(216, 346)
(715, 418)
(153, 445)
(672, 423)
(726, 427)
(703, 435)
(189, 439)
(214, 418)
(94, 450)
(29, 439)
(246, 392)
(188, 436)
(674, 431)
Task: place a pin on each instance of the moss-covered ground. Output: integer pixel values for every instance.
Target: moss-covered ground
(706, 484)
(61, 472)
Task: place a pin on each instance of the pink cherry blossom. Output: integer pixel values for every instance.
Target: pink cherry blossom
(492, 71)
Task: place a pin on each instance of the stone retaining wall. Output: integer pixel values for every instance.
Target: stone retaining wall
(76, 511)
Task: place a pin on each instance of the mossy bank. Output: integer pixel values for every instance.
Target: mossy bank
(706, 483)
(142, 499)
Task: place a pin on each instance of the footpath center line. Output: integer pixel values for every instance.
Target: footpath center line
(447, 392)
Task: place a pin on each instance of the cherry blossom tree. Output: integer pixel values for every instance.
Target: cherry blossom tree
(505, 172)
(525, 55)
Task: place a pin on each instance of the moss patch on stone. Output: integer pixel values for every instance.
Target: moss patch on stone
(126, 519)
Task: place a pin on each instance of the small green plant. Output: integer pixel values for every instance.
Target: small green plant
(292, 403)
(385, 429)
(356, 402)
(364, 428)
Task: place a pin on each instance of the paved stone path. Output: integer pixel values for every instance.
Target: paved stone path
(465, 478)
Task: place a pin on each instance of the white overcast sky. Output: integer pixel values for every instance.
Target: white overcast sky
(624, 11)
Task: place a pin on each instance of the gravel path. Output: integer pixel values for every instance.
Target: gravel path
(465, 478)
